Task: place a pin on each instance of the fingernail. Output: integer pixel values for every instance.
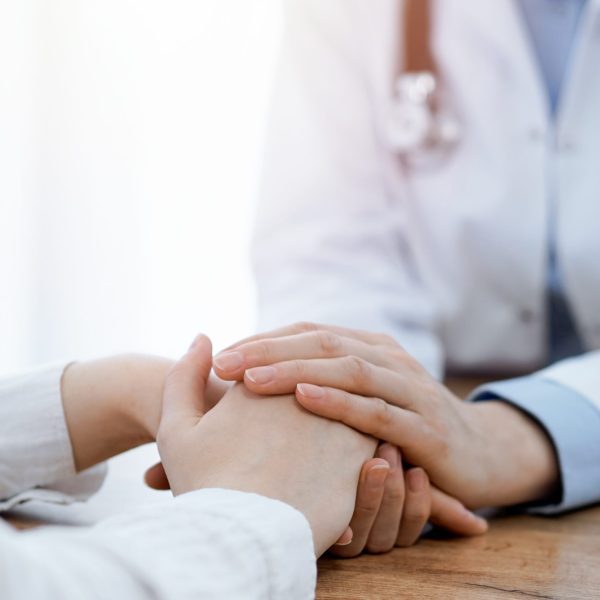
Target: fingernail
(311, 391)
(261, 375)
(376, 475)
(417, 481)
(228, 361)
(344, 543)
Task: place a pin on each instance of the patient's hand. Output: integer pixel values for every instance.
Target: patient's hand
(272, 447)
(113, 404)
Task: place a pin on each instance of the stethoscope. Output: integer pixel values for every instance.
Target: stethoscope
(416, 125)
(420, 123)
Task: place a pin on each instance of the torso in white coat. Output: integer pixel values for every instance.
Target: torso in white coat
(450, 255)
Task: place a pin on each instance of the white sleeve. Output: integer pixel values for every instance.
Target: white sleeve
(331, 243)
(206, 544)
(35, 449)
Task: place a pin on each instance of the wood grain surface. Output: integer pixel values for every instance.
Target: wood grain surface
(520, 557)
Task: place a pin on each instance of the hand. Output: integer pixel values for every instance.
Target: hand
(113, 404)
(484, 454)
(393, 506)
(272, 447)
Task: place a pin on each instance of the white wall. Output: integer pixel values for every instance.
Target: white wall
(130, 135)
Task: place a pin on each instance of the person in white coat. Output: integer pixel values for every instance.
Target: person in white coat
(431, 172)
(248, 519)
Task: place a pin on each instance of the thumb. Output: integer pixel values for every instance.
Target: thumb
(185, 385)
(156, 478)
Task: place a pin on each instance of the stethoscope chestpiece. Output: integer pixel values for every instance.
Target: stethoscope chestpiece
(414, 125)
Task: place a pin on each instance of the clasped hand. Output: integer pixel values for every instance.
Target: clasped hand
(483, 454)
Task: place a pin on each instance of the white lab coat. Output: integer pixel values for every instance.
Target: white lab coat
(449, 257)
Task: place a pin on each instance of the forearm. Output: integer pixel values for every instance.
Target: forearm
(112, 405)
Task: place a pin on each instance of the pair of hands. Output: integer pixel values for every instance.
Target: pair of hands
(484, 454)
(391, 506)
(114, 404)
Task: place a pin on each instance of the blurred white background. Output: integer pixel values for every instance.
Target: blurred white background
(130, 137)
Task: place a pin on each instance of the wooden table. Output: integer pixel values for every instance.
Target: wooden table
(520, 557)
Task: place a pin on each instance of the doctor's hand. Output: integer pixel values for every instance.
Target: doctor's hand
(393, 506)
(268, 446)
(483, 454)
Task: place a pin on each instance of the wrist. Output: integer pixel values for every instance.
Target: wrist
(112, 405)
(138, 402)
(524, 466)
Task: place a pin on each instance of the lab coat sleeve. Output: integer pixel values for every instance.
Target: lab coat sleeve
(206, 544)
(36, 459)
(330, 242)
(565, 400)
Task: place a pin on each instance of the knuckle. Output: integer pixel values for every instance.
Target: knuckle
(387, 340)
(329, 343)
(410, 362)
(379, 546)
(299, 368)
(346, 403)
(395, 494)
(263, 352)
(359, 369)
(304, 326)
(383, 414)
(367, 510)
(417, 516)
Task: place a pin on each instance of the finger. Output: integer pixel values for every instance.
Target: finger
(368, 499)
(322, 343)
(185, 384)
(384, 532)
(156, 478)
(305, 327)
(450, 514)
(419, 443)
(417, 507)
(350, 373)
(346, 538)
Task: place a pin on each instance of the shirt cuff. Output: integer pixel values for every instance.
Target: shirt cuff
(573, 424)
(37, 456)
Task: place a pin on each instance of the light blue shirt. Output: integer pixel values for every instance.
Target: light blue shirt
(571, 421)
(554, 26)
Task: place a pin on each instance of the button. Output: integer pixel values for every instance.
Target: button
(567, 144)
(537, 135)
(526, 315)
